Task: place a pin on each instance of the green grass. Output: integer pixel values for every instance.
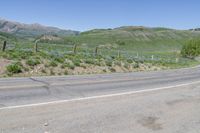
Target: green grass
(53, 63)
(130, 46)
(133, 38)
(191, 49)
(32, 62)
(14, 68)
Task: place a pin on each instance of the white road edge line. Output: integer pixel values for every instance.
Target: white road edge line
(97, 97)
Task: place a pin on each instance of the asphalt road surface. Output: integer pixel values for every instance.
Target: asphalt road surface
(143, 102)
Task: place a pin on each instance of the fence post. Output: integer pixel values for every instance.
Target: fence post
(74, 48)
(177, 60)
(119, 54)
(36, 46)
(96, 51)
(4, 46)
(152, 57)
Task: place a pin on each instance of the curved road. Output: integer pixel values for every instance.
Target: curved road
(162, 101)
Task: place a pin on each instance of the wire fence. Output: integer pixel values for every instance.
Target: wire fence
(62, 49)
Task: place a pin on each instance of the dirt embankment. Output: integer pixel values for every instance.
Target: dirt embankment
(3, 64)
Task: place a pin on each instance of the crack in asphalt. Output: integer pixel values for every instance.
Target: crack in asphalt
(50, 92)
(36, 80)
(46, 85)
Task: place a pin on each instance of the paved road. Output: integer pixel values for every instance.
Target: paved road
(165, 101)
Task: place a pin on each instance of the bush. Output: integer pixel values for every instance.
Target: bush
(68, 65)
(60, 59)
(109, 63)
(19, 54)
(89, 61)
(53, 63)
(66, 72)
(25, 54)
(191, 49)
(121, 43)
(126, 65)
(130, 61)
(44, 71)
(136, 65)
(112, 70)
(14, 68)
(63, 66)
(52, 72)
(77, 62)
(71, 66)
(117, 63)
(32, 62)
(97, 62)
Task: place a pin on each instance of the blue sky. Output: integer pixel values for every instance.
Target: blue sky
(88, 14)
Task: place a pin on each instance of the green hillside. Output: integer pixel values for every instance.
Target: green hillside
(7, 36)
(137, 38)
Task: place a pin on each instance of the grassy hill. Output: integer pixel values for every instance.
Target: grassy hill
(8, 37)
(137, 38)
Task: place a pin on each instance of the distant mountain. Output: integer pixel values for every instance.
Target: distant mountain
(32, 30)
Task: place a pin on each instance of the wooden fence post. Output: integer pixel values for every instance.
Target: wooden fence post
(119, 54)
(177, 60)
(96, 51)
(4, 46)
(36, 46)
(74, 48)
(152, 57)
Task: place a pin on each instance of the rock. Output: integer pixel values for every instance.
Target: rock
(46, 124)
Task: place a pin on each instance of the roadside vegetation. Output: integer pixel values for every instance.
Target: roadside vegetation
(191, 49)
(98, 51)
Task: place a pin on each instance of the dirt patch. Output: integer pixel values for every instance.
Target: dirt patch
(175, 102)
(3, 64)
(90, 69)
(150, 123)
(44, 69)
(182, 101)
